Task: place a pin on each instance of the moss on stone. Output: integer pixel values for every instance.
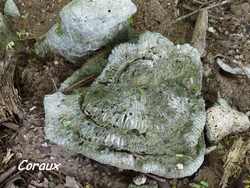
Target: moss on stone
(59, 29)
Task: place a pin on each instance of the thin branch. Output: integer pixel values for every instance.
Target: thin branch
(6, 174)
(198, 10)
(79, 84)
(157, 178)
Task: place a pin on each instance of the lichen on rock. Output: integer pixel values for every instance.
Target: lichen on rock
(144, 112)
(86, 26)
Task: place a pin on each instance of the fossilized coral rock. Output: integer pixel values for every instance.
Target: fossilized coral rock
(222, 120)
(144, 112)
(85, 26)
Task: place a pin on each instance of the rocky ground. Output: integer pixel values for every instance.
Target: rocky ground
(228, 39)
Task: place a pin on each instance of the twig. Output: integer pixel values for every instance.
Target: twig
(6, 174)
(199, 2)
(54, 84)
(156, 178)
(210, 149)
(10, 181)
(200, 32)
(79, 84)
(198, 10)
(188, 7)
(12, 126)
(10, 103)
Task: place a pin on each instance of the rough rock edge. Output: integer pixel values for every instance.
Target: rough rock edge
(59, 103)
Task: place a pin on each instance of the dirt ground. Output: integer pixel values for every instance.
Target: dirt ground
(228, 38)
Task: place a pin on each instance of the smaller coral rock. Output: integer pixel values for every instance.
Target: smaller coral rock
(222, 120)
(10, 9)
(140, 180)
(86, 26)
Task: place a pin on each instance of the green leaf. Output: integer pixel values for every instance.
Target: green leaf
(204, 183)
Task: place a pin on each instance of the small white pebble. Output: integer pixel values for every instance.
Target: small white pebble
(25, 137)
(211, 30)
(237, 57)
(45, 145)
(140, 180)
(180, 166)
(32, 108)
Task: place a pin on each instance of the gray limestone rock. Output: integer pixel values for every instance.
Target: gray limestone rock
(85, 26)
(10, 9)
(144, 112)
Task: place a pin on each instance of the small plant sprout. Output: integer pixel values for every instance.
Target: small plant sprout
(201, 184)
(22, 34)
(10, 45)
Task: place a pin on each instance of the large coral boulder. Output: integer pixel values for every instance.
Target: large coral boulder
(144, 112)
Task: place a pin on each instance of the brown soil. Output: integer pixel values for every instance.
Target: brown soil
(38, 77)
